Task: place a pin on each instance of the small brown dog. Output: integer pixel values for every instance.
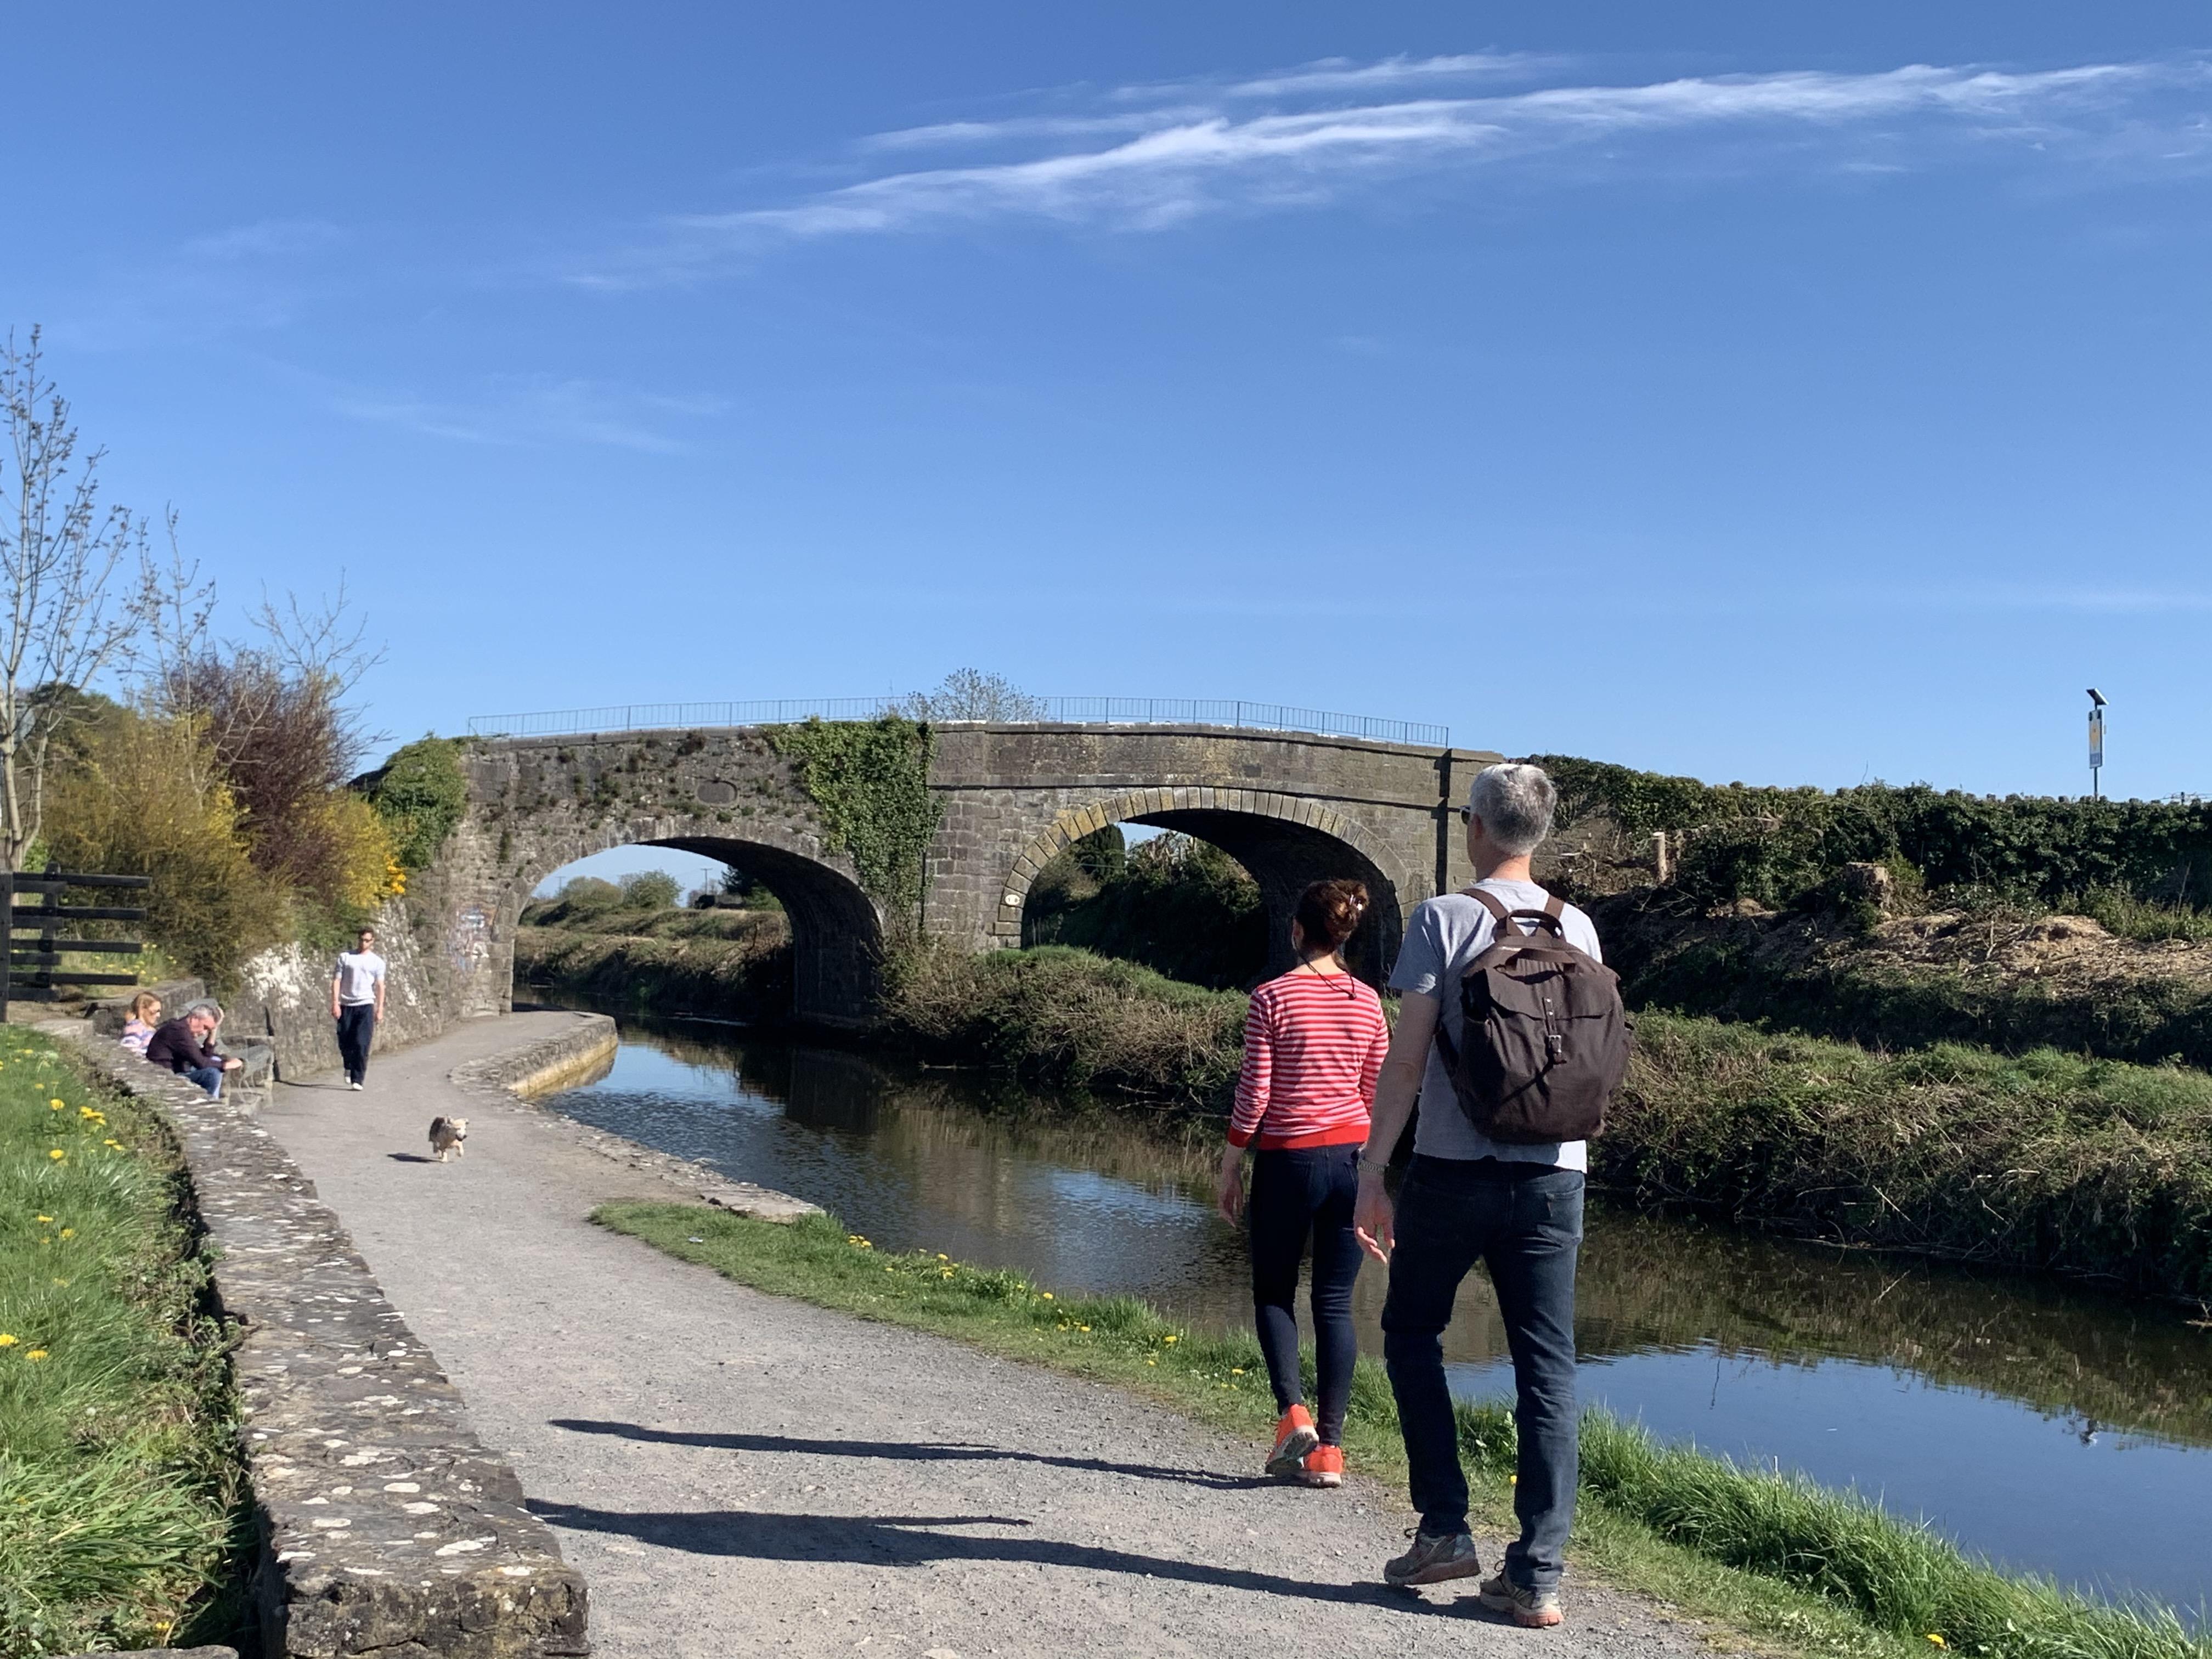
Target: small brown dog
(447, 1135)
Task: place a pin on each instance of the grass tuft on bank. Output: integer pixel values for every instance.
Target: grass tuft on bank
(123, 1506)
(1811, 1570)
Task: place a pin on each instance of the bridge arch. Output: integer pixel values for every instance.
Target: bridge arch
(1285, 841)
(836, 929)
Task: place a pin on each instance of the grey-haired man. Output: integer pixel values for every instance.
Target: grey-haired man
(1516, 1208)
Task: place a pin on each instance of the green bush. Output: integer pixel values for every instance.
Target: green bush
(146, 799)
(422, 794)
(1176, 904)
(650, 890)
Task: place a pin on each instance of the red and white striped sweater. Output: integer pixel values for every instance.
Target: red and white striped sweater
(1313, 1047)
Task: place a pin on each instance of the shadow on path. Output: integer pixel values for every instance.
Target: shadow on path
(906, 1451)
(910, 1541)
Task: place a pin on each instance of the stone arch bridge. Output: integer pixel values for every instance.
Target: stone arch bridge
(1291, 808)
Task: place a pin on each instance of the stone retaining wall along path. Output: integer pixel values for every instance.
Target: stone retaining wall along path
(387, 1527)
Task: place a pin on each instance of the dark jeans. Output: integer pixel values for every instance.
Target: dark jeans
(1525, 1222)
(210, 1077)
(357, 1026)
(1297, 1193)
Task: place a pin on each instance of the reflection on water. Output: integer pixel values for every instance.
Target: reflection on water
(2050, 1427)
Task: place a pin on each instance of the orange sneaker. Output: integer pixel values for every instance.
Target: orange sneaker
(1295, 1435)
(1324, 1466)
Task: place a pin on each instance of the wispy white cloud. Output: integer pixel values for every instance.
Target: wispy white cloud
(537, 410)
(1342, 74)
(1145, 158)
(248, 278)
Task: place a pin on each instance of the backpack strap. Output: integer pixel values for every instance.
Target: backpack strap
(1550, 917)
(1507, 927)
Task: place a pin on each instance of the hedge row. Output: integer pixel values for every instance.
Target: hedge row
(1776, 845)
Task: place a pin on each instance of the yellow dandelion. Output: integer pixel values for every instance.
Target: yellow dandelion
(1151, 1362)
(116, 1144)
(58, 1154)
(1082, 1327)
(6, 1340)
(1236, 1371)
(1167, 1338)
(1937, 1640)
(53, 1105)
(1046, 1294)
(36, 1353)
(42, 1218)
(69, 1232)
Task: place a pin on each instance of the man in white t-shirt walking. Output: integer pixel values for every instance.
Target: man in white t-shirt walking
(1515, 1207)
(357, 1004)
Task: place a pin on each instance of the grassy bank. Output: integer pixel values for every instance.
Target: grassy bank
(122, 1497)
(1065, 1017)
(2043, 1160)
(1810, 1570)
(705, 972)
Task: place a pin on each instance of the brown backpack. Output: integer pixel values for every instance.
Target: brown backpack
(1544, 1043)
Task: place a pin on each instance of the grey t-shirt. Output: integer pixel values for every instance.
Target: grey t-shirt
(358, 974)
(1447, 932)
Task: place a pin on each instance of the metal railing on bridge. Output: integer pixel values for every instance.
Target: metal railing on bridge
(1085, 711)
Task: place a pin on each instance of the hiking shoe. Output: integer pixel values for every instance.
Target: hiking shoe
(1295, 1435)
(1323, 1466)
(1433, 1558)
(1533, 1609)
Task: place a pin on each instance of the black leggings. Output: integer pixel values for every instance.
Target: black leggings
(1295, 1194)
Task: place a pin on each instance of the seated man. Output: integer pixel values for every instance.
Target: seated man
(186, 1047)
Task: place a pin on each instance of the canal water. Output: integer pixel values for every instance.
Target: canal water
(2052, 1428)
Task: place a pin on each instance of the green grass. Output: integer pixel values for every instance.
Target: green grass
(122, 1505)
(1792, 1566)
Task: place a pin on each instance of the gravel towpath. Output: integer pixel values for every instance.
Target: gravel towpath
(738, 1473)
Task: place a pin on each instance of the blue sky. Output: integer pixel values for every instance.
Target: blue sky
(1780, 393)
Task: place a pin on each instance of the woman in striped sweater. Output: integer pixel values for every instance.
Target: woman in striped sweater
(1314, 1042)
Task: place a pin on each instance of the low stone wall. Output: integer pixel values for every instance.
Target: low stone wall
(386, 1527)
(580, 1054)
(583, 1053)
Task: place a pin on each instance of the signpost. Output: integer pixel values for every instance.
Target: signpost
(33, 944)
(2096, 743)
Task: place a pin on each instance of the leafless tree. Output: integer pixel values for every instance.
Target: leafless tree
(969, 694)
(273, 709)
(59, 551)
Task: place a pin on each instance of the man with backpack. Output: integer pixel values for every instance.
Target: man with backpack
(1510, 1033)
